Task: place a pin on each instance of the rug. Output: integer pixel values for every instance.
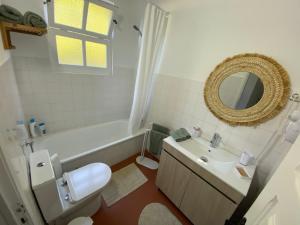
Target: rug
(123, 182)
(157, 214)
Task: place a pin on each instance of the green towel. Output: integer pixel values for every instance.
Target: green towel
(160, 128)
(10, 14)
(157, 134)
(180, 135)
(156, 140)
(33, 19)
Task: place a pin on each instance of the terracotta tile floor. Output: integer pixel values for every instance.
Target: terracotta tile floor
(127, 210)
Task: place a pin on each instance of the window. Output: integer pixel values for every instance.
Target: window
(69, 50)
(100, 14)
(81, 35)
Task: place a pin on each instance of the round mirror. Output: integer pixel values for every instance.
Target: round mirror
(241, 90)
(247, 89)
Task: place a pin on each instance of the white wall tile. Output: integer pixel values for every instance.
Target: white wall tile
(65, 101)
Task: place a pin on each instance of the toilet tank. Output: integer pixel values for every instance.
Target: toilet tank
(43, 183)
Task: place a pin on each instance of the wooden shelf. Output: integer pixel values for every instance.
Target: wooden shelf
(6, 28)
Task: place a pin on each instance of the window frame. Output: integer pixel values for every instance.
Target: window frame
(50, 11)
(82, 34)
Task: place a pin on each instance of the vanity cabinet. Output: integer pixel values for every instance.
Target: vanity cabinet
(203, 198)
(172, 178)
(204, 205)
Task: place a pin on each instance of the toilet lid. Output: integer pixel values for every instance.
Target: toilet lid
(86, 180)
(81, 221)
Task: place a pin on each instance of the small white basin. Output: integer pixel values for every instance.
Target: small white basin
(200, 147)
(217, 158)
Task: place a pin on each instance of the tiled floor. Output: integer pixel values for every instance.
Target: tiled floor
(127, 210)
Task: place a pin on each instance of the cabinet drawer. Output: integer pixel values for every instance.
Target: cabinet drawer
(204, 205)
(172, 178)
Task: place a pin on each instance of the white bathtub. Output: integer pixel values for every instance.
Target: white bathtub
(108, 142)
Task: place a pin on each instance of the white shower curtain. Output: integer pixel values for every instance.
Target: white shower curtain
(154, 32)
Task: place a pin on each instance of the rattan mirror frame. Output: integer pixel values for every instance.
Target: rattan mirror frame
(276, 89)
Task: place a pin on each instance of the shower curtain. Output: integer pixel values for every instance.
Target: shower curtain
(154, 32)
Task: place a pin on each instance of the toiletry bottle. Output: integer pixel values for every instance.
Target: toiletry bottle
(42, 128)
(196, 132)
(32, 125)
(22, 132)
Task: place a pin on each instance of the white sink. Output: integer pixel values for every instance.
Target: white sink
(217, 161)
(201, 146)
(218, 158)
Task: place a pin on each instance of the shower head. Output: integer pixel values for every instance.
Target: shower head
(138, 30)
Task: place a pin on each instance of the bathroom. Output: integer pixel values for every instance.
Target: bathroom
(91, 114)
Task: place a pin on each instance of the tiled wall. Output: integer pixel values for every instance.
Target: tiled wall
(10, 106)
(10, 112)
(179, 102)
(66, 101)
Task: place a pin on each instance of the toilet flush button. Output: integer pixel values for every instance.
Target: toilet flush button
(41, 164)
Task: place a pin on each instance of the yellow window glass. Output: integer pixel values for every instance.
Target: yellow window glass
(96, 54)
(69, 50)
(98, 19)
(69, 12)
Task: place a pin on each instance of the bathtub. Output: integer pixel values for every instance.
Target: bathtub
(108, 142)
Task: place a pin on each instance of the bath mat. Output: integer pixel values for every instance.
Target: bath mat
(157, 214)
(123, 182)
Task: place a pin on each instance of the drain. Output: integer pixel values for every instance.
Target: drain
(204, 159)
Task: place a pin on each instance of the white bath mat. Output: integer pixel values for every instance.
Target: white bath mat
(157, 214)
(123, 182)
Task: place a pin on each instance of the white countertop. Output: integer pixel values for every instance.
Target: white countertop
(193, 148)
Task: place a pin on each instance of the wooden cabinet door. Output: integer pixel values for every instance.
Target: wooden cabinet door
(204, 205)
(172, 177)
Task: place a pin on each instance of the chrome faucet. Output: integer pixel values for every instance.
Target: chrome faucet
(216, 140)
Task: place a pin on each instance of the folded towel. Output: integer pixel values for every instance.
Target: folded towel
(180, 135)
(160, 128)
(33, 19)
(156, 140)
(10, 14)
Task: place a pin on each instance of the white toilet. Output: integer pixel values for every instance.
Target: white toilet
(73, 197)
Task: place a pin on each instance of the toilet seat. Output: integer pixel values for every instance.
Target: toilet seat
(87, 180)
(81, 221)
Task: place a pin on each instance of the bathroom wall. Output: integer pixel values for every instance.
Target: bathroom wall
(201, 35)
(14, 185)
(66, 101)
(11, 155)
(10, 106)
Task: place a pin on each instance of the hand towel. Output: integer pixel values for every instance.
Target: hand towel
(10, 14)
(156, 140)
(157, 134)
(180, 135)
(33, 19)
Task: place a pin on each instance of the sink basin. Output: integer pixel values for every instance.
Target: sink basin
(200, 147)
(217, 158)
